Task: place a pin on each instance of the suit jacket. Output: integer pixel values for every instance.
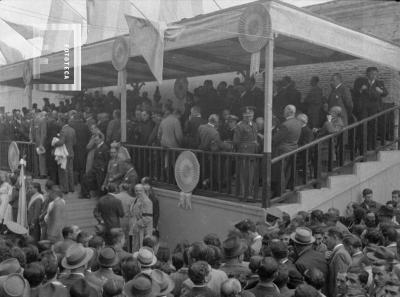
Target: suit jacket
(69, 280)
(53, 128)
(39, 131)
(113, 131)
(341, 96)
(104, 274)
(210, 139)
(100, 158)
(261, 290)
(309, 258)
(339, 261)
(306, 136)
(67, 137)
(370, 95)
(82, 138)
(170, 132)
(109, 209)
(287, 137)
(191, 131)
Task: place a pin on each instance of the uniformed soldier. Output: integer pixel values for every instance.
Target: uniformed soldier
(245, 140)
(142, 217)
(130, 177)
(116, 170)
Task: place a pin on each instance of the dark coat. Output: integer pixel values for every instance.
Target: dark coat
(145, 129)
(306, 136)
(110, 210)
(101, 158)
(82, 138)
(312, 105)
(69, 280)
(254, 97)
(341, 96)
(261, 290)
(210, 139)
(339, 262)
(34, 212)
(287, 137)
(309, 258)
(191, 131)
(67, 137)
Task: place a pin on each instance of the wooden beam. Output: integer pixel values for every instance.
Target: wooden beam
(184, 69)
(299, 56)
(196, 54)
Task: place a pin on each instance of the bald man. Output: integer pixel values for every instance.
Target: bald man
(284, 141)
(142, 217)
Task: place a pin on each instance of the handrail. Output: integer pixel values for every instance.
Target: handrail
(333, 135)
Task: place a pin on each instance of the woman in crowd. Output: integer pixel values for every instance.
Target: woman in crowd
(5, 192)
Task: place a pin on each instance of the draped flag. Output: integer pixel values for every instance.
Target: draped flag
(62, 12)
(22, 208)
(148, 37)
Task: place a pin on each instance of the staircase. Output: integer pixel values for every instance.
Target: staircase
(380, 175)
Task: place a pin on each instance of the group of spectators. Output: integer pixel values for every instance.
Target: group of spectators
(312, 254)
(225, 118)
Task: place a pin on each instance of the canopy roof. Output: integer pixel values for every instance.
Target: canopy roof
(209, 44)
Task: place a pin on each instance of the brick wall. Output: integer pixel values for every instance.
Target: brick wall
(349, 70)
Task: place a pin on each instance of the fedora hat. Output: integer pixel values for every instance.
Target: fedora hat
(107, 257)
(163, 281)
(381, 253)
(141, 285)
(145, 256)
(234, 247)
(302, 235)
(76, 256)
(14, 285)
(10, 266)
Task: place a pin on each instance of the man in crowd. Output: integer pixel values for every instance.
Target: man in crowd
(245, 141)
(191, 128)
(109, 210)
(340, 96)
(93, 180)
(67, 138)
(39, 134)
(116, 170)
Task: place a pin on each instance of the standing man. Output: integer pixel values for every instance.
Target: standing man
(170, 131)
(82, 139)
(371, 91)
(115, 170)
(114, 128)
(191, 128)
(313, 102)
(340, 96)
(142, 217)
(39, 133)
(245, 140)
(67, 137)
(284, 141)
(109, 210)
(339, 260)
(93, 180)
(210, 139)
(53, 128)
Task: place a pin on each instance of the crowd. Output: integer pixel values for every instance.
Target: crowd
(73, 139)
(312, 254)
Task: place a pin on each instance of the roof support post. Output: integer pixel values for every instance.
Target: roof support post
(122, 75)
(268, 95)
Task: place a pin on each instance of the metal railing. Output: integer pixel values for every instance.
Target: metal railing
(243, 177)
(309, 165)
(222, 174)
